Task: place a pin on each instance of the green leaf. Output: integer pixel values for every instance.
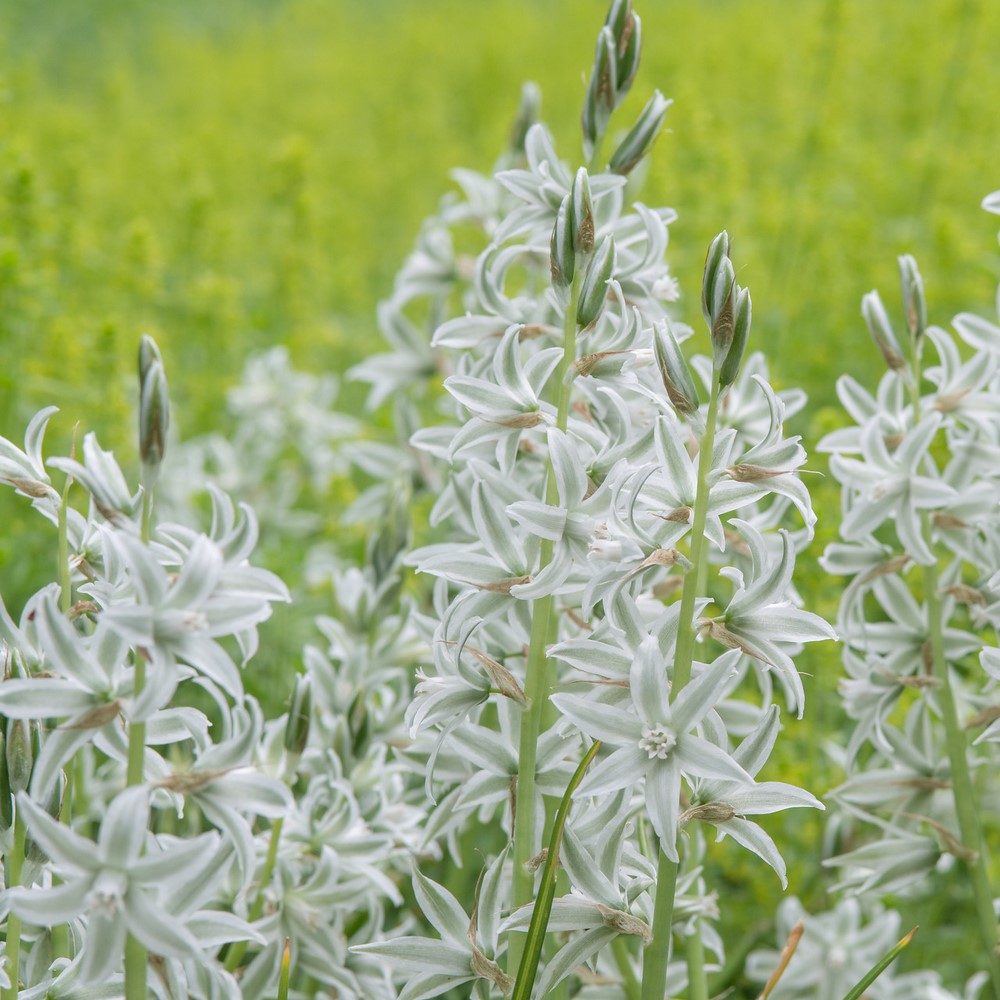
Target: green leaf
(879, 967)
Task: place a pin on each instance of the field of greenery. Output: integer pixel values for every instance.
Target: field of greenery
(234, 177)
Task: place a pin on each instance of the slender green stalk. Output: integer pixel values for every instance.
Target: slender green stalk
(532, 952)
(963, 792)
(630, 982)
(236, 952)
(136, 968)
(537, 681)
(65, 584)
(60, 933)
(14, 863)
(966, 806)
(654, 964)
(695, 949)
(657, 953)
(136, 965)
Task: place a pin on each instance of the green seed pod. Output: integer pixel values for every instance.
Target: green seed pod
(20, 757)
(741, 332)
(594, 290)
(877, 321)
(643, 134)
(914, 302)
(674, 371)
(562, 260)
(582, 212)
(299, 716)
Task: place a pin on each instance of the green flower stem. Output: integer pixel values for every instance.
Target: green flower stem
(238, 949)
(135, 953)
(697, 981)
(654, 958)
(622, 957)
(14, 862)
(532, 952)
(60, 934)
(966, 806)
(654, 962)
(135, 970)
(65, 584)
(537, 681)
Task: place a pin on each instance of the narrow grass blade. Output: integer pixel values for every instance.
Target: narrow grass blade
(783, 959)
(879, 967)
(543, 903)
(286, 961)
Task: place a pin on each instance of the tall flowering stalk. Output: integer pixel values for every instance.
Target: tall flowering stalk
(584, 498)
(920, 542)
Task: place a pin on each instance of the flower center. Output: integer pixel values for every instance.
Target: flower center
(107, 892)
(657, 742)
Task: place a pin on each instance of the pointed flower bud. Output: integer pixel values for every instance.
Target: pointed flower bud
(6, 802)
(562, 260)
(643, 134)
(299, 715)
(913, 297)
(594, 290)
(629, 50)
(741, 331)
(717, 253)
(877, 320)
(154, 405)
(20, 757)
(674, 371)
(528, 113)
(602, 91)
(582, 209)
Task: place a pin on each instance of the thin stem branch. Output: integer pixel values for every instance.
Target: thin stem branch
(654, 965)
(14, 862)
(537, 680)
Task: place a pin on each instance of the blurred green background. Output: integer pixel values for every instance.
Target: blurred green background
(230, 175)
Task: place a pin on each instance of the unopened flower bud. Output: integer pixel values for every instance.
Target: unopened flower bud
(20, 757)
(913, 297)
(877, 320)
(358, 723)
(717, 253)
(527, 115)
(6, 802)
(628, 37)
(602, 91)
(640, 138)
(582, 213)
(299, 716)
(154, 405)
(562, 260)
(149, 353)
(594, 290)
(674, 371)
(723, 308)
(741, 331)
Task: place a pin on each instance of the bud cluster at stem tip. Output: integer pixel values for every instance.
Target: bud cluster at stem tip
(727, 309)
